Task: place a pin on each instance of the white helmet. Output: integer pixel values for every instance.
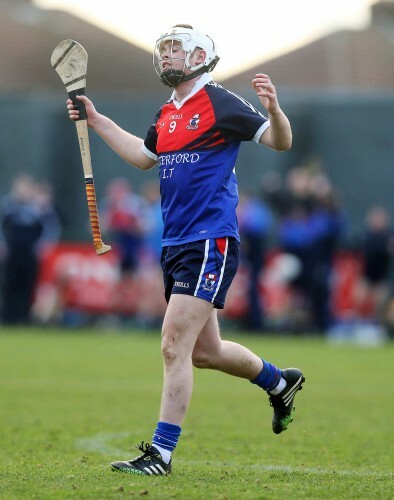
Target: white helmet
(190, 39)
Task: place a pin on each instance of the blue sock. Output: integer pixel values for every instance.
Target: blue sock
(269, 377)
(166, 436)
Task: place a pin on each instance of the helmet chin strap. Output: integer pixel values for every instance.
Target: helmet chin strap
(174, 77)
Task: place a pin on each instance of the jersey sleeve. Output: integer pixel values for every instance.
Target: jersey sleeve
(236, 118)
(149, 146)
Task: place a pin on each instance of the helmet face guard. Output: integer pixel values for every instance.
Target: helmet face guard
(179, 44)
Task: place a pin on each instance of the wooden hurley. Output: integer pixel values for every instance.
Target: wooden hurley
(70, 60)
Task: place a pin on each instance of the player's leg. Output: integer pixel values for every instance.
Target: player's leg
(184, 319)
(212, 352)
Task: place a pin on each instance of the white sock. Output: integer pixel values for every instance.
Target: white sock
(165, 454)
(279, 388)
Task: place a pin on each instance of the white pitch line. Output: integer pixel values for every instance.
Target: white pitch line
(100, 443)
(290, 469)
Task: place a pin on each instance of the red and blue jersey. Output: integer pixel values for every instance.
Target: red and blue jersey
(196, 144)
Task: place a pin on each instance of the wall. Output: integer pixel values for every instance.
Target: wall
(350, 133)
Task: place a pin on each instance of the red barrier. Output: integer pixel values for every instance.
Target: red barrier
(82, 279)
(74, 277)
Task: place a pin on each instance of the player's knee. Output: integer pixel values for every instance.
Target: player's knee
(170, 345)
(168, 350)
(198, 362)
(201, 359)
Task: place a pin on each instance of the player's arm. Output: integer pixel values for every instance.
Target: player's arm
(126, 145)
(278, 135)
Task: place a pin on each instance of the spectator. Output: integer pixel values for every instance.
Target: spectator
(377, 249)
(45, 307)
(122, 216)
(49, 215)
(255, 220)
(311, 223)
(296, 239)
(327, 222)
(22, 226)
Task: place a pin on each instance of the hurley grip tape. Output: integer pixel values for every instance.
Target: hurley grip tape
(79, 105)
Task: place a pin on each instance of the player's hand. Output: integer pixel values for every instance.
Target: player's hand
(91, 112)
(266, 92)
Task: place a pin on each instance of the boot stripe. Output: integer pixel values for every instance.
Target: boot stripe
(155, 469)
(161, 469)
(287, 397)
(291, 392)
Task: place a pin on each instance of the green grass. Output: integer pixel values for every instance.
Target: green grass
(70, 403)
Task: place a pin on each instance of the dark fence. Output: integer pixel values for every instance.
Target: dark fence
(350, 134)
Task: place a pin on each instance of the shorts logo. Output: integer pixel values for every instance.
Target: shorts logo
(193, 123)
(210, 280)
(181, 284)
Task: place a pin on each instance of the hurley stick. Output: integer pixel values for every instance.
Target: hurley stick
(70, 60)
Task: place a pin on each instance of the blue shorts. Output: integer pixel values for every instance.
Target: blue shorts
(204, 269)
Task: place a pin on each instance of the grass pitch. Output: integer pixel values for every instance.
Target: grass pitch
(70, 403)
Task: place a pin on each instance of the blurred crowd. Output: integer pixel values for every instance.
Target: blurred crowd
(301, 216)
(29, 222)
(310, 227)
(297, 219)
